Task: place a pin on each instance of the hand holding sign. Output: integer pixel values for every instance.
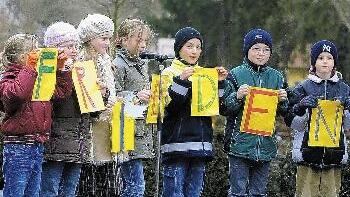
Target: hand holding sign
(345, 101)
(186, 73)
(242, 91)
(61, 60)
(282, 95)
(32, 59)
(144, 95)
(222, 72)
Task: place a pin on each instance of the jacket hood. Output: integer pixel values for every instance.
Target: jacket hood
(335, 78)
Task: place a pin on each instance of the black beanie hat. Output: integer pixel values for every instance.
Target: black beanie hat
(182, 36)
(323, 46)
(255, 36)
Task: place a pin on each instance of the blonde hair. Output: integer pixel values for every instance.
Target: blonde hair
(17, 45)
(130, 27)
(87, 52)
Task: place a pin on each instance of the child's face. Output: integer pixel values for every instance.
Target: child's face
(69, 48)
(100, 44)
(191, 51)
(259, 54)
(324, 64)
(136, 43)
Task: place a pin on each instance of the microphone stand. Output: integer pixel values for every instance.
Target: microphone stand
(160, 59)
(161, 66)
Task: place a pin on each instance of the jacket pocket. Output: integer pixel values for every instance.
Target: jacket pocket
(20, 122)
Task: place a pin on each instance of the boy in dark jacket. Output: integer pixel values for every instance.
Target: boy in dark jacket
(186, 141)
(27, 123)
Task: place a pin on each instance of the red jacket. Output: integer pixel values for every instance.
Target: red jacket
(26, 120)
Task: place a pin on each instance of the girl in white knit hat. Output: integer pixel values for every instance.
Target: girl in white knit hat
(95, 32)
(62, 166)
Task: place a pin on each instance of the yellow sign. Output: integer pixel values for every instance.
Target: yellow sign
(325, 124)
(259, 112)
(45, 83)
(205, 93)
(85, 84)
(123, 130)
(153, 106)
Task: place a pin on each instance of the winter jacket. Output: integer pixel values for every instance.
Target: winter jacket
(246, 145)
(26, 120)
(131, 75)
(318, 157)
(84, 138)
(184, 135)
(70, 131)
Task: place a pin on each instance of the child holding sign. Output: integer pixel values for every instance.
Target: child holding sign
(186, 141)
(27, 123)
(252, 145)
(61, 170)
(319, 145)
(95, 32)
(132, 80)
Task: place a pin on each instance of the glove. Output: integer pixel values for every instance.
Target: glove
(32, 59)
(61, 59)
(307, 102)
(345, 101)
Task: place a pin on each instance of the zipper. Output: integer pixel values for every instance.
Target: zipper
(260, 82)
(259, 77)
(325, 97)
(324, 152)
(44, 113)
(258, 149)
(200, 120)
(179, 129)
(325, 89)
(259, 142)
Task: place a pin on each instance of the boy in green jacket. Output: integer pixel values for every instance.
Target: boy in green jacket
(250, 154)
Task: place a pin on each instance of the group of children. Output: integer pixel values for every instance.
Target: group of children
(250, 153)
(35, 131)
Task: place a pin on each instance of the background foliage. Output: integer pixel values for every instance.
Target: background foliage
(294, 24)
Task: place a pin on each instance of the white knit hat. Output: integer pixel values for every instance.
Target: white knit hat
(60, 32)
(95, 25)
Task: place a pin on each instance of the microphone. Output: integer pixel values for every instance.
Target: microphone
(154, 56)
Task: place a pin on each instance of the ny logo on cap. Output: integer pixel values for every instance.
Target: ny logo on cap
(327, 48)
(258, 36)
